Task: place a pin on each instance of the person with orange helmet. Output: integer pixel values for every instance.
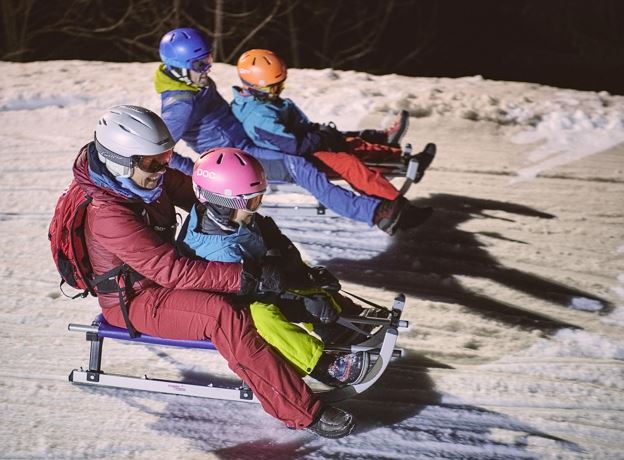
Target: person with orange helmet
(263, 74)
(278, 123)
(195, 112)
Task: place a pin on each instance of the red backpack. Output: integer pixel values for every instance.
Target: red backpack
(69, 251)
(66, 235)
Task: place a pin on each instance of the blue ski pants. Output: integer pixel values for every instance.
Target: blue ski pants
(305, 174)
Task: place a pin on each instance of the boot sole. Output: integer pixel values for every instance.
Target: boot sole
(335, 434)
(364, 370)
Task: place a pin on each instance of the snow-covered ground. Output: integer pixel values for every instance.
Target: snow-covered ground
(515, 287)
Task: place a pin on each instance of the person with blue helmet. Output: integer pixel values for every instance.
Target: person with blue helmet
(195, 112)
(184, 49)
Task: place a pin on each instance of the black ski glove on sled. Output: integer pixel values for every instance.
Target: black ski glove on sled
(332, 139)
(319, 306)
(323, 278)
(271, 278)
(265, 278)
(248, 283)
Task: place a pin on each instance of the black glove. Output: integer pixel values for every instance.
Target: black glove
(319, 306)
(332, 139)
(271, 278)
(267, 277)
(248, 283)
(323, 278)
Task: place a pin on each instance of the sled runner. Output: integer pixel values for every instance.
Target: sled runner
(378, 335)
(411, 170)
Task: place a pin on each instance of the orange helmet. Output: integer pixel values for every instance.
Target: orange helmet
(261, 68)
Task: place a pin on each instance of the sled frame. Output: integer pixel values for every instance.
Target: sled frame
(381, 344)
(390, 170)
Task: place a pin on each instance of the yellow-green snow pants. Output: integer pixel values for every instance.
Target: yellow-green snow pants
(291, 341)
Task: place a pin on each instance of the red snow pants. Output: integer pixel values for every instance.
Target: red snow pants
(349, 165)
(201, 315)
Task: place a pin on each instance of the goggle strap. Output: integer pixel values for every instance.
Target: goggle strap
(128, 162)
(237, 202)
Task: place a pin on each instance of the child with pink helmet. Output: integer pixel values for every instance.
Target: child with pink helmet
(225, 226)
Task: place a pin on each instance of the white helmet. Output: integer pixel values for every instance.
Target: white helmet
(125, 132)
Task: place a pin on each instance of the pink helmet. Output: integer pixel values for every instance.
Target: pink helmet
(228, 177)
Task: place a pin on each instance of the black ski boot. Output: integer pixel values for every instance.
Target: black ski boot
(342, 369)
(423, 160)
(333, 423)
(388, 213)
(413, 216)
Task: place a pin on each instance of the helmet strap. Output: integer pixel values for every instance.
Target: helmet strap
(180, 74)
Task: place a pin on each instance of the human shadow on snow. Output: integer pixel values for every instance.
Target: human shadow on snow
(405, 396)
(426, 262)
(423, 263)
(404, 401)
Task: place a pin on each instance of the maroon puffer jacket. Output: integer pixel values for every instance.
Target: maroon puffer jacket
(143, 238)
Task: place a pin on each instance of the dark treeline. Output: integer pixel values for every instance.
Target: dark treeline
(575, 44)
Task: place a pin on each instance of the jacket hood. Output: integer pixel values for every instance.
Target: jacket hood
(239, 96)
(163, 82)
(242, 104)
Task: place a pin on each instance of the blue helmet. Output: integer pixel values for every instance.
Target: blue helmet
(180, 47)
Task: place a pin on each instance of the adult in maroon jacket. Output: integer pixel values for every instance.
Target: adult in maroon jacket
(128, 171)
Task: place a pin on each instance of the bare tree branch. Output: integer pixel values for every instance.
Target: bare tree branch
(119, 22)
(254, 31)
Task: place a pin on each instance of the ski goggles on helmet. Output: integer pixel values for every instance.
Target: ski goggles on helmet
(202, 65)
(274, 89)
(249, 203)
(155, 163)
(253, 203)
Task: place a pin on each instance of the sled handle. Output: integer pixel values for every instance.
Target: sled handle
(374, 321)
(81, 328)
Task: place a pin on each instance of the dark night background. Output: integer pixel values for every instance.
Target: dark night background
(571, 44)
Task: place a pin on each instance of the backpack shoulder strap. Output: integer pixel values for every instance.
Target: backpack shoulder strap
(119, 279)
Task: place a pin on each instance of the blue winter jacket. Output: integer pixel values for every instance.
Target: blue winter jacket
(244, 244)
(277, 125)
(202, 118)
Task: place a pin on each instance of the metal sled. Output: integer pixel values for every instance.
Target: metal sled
(408, 171)
(380, 343)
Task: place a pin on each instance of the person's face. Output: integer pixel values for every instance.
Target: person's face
(148, 169)
(272, 92)
(242, 216)
(245, 216)
(200, 69)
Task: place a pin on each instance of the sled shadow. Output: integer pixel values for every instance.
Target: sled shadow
(405, 395)
(403, 403)
(426, 262)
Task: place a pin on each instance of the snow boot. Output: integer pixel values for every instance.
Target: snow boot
(413, 216)
(424, 159)
(333, 423)
(396, 131)
(388, 213)
(342, 369)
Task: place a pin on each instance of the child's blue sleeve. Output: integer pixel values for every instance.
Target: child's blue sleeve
(182, 164)
(293, 136)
